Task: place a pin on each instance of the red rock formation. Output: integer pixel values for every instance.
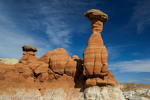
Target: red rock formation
(46, 57)
(59, 60)
(95, 55)
(56, 68)
(70, 68)
(28, 54)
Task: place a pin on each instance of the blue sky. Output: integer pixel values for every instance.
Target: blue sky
(51, 24)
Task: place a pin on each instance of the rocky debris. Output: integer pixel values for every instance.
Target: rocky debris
(9, 61)
(135, 91)
(95, 66)
(29, 48)
(106, 93)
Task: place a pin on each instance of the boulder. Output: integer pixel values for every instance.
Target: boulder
(59, 60)
(46, 57)
(27, 72)
(34, 65)
(71, 67)
(74, 57)
(43, 76)
(96, 14)
(43, 68)
(29, 48)
(90, 82)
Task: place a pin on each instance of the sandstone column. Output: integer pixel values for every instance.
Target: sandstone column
(95, 55)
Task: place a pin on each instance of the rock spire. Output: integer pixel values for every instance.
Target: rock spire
(95, 66)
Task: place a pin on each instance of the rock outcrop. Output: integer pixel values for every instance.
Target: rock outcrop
(9, 61)
(135, 91)
(91, 93)
(28, 54)
(95, 66)
(57, 70)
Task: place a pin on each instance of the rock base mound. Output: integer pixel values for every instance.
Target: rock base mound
(91, 93)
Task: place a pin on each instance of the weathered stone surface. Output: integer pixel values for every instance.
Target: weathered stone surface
(11, 74)
(27, 72)
(31, 58)
(2, 77)
(71, 67)
(107, 93)
(28, 56)
(24, 58)
(29, 48)
(97, 26)
(92, 56)
(43, 76)
(29, 53)
(96, 14)
(5, 67)
(46, 57)
(90, 82)
(56, 69)
(43, 68)
(59, 60)
(95, 55)
(57, 76)
(19, 67)
(34, 65)
(74, 57)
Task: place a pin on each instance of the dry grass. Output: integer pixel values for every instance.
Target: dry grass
(134, 86)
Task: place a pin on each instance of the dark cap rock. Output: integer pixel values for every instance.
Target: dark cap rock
(29, 48)
(96, 14)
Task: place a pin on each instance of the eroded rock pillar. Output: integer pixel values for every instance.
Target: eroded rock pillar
(95, 55)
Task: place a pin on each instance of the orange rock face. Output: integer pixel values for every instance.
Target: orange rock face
(56, 67)
(95, 55)
(71, 67)
(59, 60)
(46, 57)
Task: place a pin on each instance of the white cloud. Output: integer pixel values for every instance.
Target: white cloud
(136, 54)
(147, 79)
(141, 15)
(114, 51)
(131, 66)
(12, 38)
(43, 24)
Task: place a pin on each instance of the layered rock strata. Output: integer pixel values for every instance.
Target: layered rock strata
(28, 54)
(56, 69)
(95, 66)
(91, 93)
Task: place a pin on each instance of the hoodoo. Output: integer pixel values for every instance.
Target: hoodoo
(57, 76)
(95, 66)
